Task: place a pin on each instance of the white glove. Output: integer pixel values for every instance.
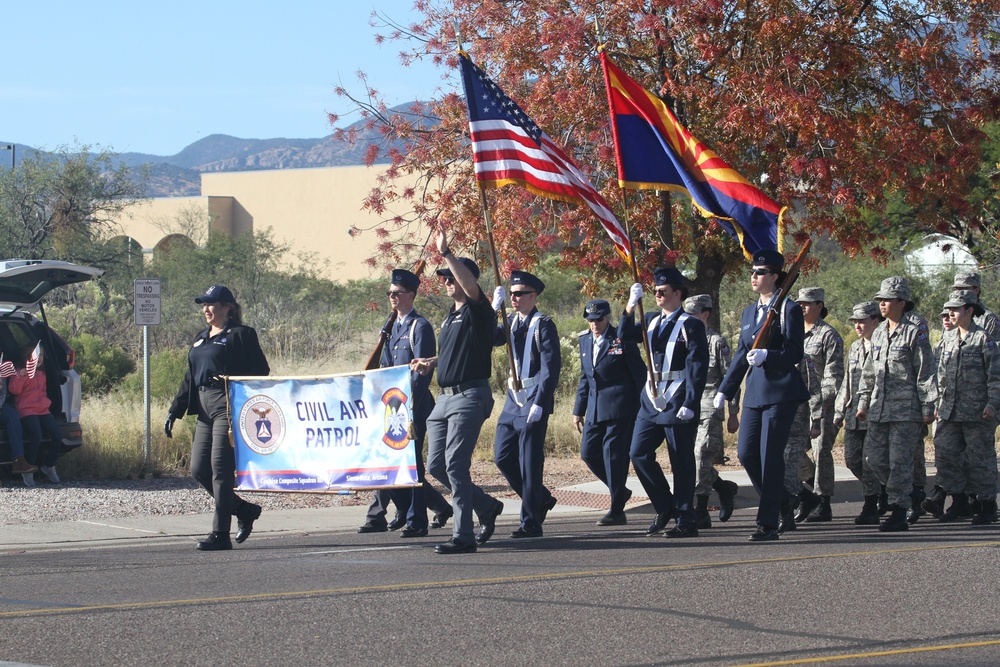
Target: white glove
(684, 413)
(634, 294)
(719, 400)
(756, 357)
(499, 294)
(534, 414)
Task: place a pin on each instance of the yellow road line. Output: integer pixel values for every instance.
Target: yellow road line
(482, 581)
(871, 654)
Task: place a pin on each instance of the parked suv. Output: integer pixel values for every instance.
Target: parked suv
(23, 283)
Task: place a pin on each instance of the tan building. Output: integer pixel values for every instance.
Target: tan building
(311, 210)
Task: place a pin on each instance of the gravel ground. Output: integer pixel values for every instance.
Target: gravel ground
(106, 499)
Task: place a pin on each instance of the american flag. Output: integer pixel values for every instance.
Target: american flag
(7, 368)
(508, 147)
(32, 362)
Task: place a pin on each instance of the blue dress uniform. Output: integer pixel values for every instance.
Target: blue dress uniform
(771, 396)
(519, 446)
(608, 400)
(683, 372)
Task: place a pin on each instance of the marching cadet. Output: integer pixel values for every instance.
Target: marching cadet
(987, 319)
(519, 447)
(896, 395)
(798, 467)
(411, 337)
(825, 348)
(708, 442)
(865, 318)
(774, 389)
(607, 399)
(917, 495)
(679, 351)
(934, 504)
(968, 401)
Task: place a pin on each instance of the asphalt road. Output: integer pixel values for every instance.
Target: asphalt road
(828, 593)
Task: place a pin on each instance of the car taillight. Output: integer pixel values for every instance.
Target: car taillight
(71, 358)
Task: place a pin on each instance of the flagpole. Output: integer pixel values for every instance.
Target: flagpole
(503, 310)
(638, 306)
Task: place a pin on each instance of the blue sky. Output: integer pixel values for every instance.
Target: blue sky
(155, 77)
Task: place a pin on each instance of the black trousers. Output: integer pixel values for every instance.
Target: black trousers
(213, 459)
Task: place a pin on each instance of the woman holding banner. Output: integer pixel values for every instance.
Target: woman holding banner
(774, 387)
(225, 347)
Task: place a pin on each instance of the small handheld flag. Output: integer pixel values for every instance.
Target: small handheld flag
(7, 368)
(32, 363)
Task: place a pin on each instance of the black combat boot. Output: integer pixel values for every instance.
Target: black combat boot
(934, 504)
(958, 510)
(808, 501)
(896, 521)
(987, 513)
(917, 496)
(883, 502)
(869, 512)
(786, 520)
(727, 497)
(701, 512)
(823, 511)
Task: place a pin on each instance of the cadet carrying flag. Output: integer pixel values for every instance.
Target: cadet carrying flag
(507, 147)
(655, 152)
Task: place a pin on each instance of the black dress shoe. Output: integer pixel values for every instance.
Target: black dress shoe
(521, 533)
(441, 519)
(397, 522)
(373, 528)
(410, 531)
(215, 542)
(488, 523)
(764, 534)
(613, 519)
(456, 546)
(727, 499)
(548, 506)
(659, 523)
(245, 523)
(682, 531)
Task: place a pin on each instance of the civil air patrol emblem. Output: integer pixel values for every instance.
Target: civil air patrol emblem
(262, 424)
(397, 419)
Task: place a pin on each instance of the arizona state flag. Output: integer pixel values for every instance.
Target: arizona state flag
(655, 152)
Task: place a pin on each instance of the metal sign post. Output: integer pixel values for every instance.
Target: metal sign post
(147, 313)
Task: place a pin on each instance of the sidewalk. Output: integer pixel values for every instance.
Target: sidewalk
(590, 499)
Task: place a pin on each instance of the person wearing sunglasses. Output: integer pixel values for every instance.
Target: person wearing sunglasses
(519, 446)
(410, 337)
(464, 364)
(669, 410)
(607, 399)
(773, 390)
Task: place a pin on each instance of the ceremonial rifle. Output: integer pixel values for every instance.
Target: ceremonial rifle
(778, 299)
(383, 335)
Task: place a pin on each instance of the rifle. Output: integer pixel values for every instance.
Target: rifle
(383, 334)
(778, 299)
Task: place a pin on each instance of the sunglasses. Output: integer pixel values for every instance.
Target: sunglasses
(518, 295)
(760, 272)
(395, 293)
(661, 292)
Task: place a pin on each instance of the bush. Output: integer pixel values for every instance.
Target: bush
(166, 370)
(101, 366)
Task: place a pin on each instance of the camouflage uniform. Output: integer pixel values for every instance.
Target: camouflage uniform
(965, 444)
(897, 390)
(855, 429)
(708, 442)
(965, 280)
(920, 448)
(826, 349)
(808, 416)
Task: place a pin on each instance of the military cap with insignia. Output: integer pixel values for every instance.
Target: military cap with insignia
(597, 309)
(697, 304)
(668, 276)
(405, 278)
(526, 279)
(765, 257)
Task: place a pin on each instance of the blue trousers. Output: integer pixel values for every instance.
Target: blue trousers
(33, 427)
(646, 438)
(604, 448)
(519, 454)
(12, 425)
(763, 435)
